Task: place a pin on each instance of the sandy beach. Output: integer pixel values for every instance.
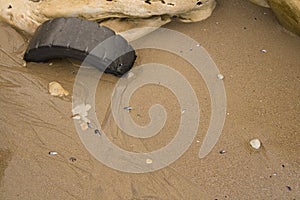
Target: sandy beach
(263, 101)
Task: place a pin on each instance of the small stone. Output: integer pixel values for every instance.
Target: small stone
(128, 108)
(255, 143)
(50, 64)
(72, 159)
(53, 153)
(89, 125)
(198, 141)
(183, 111)
(97, 132)
(263, 50)
(220, 76)
(149, 161)
(222, 151)
(289, 188)
(84, 126)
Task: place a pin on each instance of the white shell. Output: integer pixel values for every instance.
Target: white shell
(220, 76)
(255, 143)
(53, 153)
(148, 161)
(77, 117)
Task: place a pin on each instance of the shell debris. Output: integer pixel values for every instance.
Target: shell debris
(149, 161)
(52, 153)
(55, 89)
(255, 143)
(220, 76)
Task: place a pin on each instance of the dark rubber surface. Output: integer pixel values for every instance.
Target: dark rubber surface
(79, 39)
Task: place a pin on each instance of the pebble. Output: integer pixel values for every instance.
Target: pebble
(220, 76)
(129, 108)
(84, 126)
(97, 132)
(183, 111)
(222, 151)
(149, 161)
(53, 153)
(255, 143)
(72, 159)
(263, 50)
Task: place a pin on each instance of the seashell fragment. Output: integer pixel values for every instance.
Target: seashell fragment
(149, 161)
(55, 89)
(220, 76)
(53, 153)
(255, 143)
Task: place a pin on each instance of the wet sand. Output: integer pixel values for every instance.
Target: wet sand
(263, 92)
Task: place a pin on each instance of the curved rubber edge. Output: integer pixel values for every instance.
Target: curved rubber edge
(77, 38)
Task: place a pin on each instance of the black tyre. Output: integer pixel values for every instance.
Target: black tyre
(77, 38)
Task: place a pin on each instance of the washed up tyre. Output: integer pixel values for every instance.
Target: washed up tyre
(77, 38)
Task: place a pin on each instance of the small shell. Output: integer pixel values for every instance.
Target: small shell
(77, 117)
(263, 50)
(55, 89)
(255, 143)
(149, 161)
(220, 76)
(53, 153)
(84, 126)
